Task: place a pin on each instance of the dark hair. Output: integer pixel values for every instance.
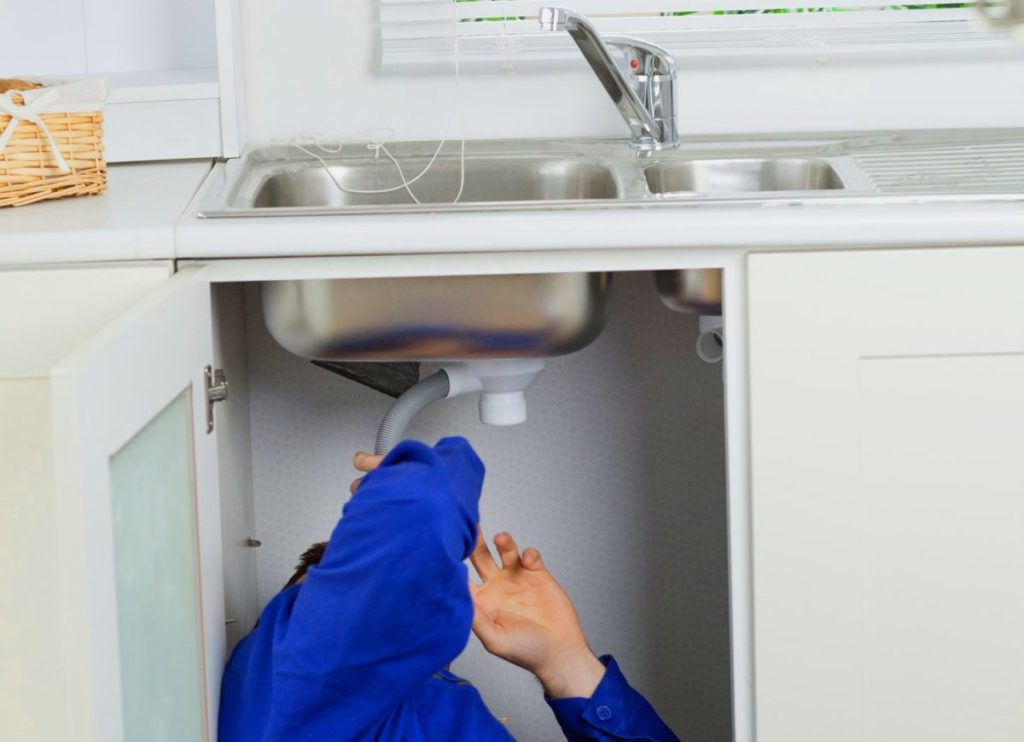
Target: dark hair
(310, 558)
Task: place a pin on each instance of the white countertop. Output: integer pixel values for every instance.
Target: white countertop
(134, 220)
(147, 215)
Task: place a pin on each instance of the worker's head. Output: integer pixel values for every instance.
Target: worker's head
(310, 558)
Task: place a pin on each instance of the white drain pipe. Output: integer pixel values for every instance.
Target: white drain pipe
(501, 384)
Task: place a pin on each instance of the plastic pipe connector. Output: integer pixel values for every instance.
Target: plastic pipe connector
(500, 383)
(503, 408)
(711, 339)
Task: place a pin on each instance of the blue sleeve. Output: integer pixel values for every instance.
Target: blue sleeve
(388, 605)
(614, 712)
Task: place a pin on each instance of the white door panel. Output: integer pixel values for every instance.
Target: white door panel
(942, 497)
(887, 414)
(138, 512)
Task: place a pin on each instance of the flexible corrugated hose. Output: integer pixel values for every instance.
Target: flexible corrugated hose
(411, 403)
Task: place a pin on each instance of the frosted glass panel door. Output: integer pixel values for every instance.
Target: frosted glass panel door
(158, 611)
(887, 414)
(139, 518)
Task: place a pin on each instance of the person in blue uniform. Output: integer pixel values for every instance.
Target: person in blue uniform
(356, 646)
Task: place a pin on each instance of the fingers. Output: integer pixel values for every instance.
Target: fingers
(481, 558)
(507, 550)
(487, 567)
(366, 462)
(531, 560)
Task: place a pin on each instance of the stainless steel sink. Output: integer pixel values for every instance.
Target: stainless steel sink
(437, 317)
(741, 176)
(693, 291)
(284, 180)
(377, 182)
(525, 175)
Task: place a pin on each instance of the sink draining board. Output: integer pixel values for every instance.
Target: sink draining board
(996, 167)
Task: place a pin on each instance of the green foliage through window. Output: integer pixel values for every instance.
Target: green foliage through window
(764, 11)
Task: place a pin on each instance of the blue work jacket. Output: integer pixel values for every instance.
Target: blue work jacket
(357, 651)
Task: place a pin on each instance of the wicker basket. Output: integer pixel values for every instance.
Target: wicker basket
(30, 169)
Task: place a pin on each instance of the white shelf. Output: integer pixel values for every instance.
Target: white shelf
(163, 85)
(163, 115)
(172, 68)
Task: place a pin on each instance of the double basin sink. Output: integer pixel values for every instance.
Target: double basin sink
(287, 179)
(530, 179)
(491, 316)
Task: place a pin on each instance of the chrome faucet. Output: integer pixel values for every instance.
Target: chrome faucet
(647, 101)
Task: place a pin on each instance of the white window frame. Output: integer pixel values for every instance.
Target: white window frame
(415, 35)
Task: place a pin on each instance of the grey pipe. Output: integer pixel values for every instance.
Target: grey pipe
(411, 403)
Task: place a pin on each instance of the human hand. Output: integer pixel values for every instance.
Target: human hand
(365, 463)
(523, 615)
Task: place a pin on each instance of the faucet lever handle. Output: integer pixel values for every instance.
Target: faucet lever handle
(643, 57)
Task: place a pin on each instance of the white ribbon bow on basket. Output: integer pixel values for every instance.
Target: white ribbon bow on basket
(30, 112)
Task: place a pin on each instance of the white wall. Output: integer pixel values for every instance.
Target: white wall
(106, 36)
(312, 65)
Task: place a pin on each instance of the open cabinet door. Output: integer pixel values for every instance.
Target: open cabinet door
(138, 514)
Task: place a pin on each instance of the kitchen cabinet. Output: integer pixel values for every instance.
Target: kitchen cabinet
(887, 420)
(885, 507)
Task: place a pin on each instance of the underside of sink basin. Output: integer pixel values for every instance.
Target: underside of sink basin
(693, 291)
(487, 179)
(741, 176)
(437, 317)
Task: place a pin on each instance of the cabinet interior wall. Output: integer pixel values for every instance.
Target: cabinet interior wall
(618, 477)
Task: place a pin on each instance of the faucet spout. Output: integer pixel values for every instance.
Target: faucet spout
(552, 19)
(647, 104)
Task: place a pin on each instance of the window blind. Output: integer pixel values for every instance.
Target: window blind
(416, 32)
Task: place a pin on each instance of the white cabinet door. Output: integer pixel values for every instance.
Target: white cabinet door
(887, 413)
(139, 522)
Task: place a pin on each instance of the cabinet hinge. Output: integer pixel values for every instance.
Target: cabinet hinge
(216, 384)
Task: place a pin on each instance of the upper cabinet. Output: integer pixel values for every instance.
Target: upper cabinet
(172, 67)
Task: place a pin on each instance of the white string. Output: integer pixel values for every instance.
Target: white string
(378, 146)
